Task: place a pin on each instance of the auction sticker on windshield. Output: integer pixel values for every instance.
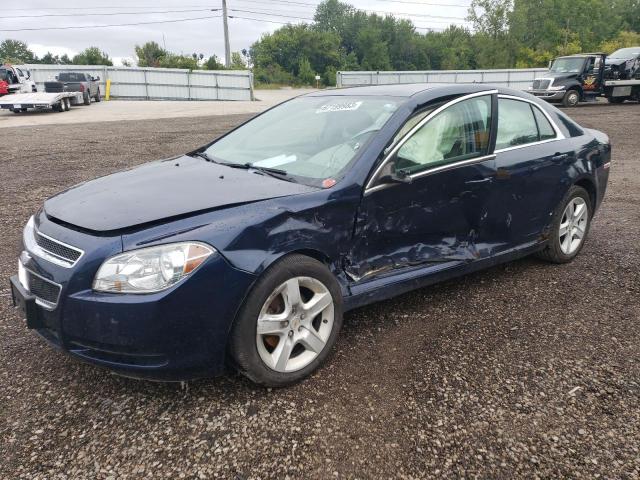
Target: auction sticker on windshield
(339, 107)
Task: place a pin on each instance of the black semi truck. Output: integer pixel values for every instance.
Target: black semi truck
(581, 78)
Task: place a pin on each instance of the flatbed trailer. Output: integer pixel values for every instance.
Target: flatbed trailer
(57, 102)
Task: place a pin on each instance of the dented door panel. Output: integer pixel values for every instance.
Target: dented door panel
(436, 218)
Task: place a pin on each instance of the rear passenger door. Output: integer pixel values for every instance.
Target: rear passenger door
(531, 158)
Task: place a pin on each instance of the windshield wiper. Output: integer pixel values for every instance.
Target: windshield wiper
(273, 172)
(247, 166)
(205, 156)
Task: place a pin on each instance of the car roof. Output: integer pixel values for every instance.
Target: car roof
(406, 90)
(417, 93)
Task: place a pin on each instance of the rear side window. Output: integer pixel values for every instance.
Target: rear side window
(516, 124)
(544, 127)
(573, 128)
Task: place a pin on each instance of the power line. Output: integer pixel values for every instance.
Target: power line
(107, 14)
(260, 19)
(69, 27)
(429, 4)
(270, 14)
(111, 7)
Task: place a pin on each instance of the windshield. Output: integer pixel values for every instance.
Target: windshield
(626, 53)
(567, 65)
(71, 77)
(309, 138)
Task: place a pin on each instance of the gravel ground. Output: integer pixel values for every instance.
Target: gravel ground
(526, 370)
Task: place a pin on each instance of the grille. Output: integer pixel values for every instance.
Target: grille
(57, 249)
(541, 84)
(44, 290)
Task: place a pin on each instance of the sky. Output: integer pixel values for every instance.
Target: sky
(28, 21)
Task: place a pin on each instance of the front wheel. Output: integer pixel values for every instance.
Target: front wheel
(289, 322)
(571, 98)
(569, 227)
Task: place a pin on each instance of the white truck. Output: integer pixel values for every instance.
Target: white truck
(18, 79)
(23, 93)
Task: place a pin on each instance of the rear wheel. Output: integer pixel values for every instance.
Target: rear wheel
(616, 100)
(87, 98)
(97, 97)
(571, 98)
(571, 222)
(289, 322)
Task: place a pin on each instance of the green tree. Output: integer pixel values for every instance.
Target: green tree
(306, 75)
(92, 56)
(213, 63)
(149, 54)
(171, 60)
(237, 62)
(15, 51)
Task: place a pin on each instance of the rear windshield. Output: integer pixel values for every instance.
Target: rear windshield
(72, 77)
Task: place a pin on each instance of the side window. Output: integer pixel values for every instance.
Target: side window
(545, 129)
(516, 124)
(459, 132)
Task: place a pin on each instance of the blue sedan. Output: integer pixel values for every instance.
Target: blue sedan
(248, 251)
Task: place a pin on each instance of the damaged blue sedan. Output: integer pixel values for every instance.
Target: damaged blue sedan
(248, 251)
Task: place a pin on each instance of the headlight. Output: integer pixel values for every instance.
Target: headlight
(558, 87)
(150, 269)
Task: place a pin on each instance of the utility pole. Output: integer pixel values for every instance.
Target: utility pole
(227, 48)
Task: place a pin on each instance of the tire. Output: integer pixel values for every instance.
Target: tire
(554, 251)
(87, 98)
(23, 110)
(59, 106)
(616, 100)
(66, 104)
(571, 98)
(250, 351)
(97, 97)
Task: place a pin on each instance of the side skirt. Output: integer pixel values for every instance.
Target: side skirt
(406, 280)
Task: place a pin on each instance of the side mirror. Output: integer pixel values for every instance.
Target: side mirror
(96, 79)
(56, 77)
(400, 176)
(28, 74)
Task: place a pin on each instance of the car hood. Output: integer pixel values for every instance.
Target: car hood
(162, 190)
(557, 75)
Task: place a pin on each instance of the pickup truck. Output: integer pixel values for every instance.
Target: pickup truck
(577, 78)
(18, 80)
(76, 82)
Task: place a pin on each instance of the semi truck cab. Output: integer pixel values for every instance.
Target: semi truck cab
(578, 78)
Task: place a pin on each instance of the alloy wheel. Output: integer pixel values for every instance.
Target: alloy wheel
(294, 324)
(573, 225)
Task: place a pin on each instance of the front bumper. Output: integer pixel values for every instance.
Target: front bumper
(550, 95)
(177, 334)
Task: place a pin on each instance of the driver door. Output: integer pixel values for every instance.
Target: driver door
(593, 75)
(425, 203)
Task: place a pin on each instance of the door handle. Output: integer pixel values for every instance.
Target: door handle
(483, 180)
(558, 157)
